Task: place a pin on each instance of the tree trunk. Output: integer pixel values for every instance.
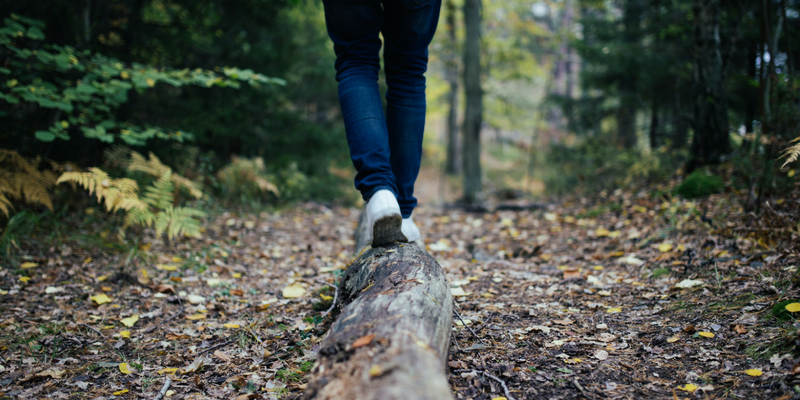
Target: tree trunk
(473, 114)
(451, 72)
(710, 120)
(628, 98)
(391, 338)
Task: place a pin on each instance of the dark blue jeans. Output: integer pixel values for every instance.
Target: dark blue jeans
(386, 150)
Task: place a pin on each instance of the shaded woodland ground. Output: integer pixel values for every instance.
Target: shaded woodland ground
(623, 295)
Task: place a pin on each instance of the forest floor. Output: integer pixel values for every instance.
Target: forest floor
(621, 296)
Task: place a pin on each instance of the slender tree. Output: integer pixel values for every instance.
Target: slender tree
(451, 74)
(473, 113)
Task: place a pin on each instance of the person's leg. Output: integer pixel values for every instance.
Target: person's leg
(353, 26)
(408, 30)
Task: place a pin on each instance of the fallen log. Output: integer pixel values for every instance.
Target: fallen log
(391, 337)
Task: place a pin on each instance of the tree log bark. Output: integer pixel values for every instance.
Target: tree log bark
(391, 337)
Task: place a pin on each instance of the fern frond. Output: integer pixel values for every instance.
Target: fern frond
(117, 156)
(792, 153)
(156, 168)
(114, 193)
(159, 195)
(95, 181)
(5, 205)
(21, 179)
(178, 220)
(139, 216)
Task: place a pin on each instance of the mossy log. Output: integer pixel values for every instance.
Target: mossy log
(391, 336)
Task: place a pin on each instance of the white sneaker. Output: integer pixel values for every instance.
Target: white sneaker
(410, 229)
(384, 220)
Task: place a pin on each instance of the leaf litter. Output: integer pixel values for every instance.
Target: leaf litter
(560, 302)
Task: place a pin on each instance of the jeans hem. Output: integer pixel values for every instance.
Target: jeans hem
(368, 195)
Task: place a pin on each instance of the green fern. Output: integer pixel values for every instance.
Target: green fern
(160, 194)
(178, 220)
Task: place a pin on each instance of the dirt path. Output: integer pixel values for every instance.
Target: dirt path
(624, 298)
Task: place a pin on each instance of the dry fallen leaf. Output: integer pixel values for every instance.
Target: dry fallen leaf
(565, 321)
(613, 310)
(125, 334)
(293, 291)
(601, 232)
(100, 299)
(222, 356)
(706, 334)
(195, 317)
(688, 387)
(375, 370)
(793, 307)
(130, 320)
(231, 325)
(753, 372)
(572, 273)
(687, 283)
(600, 354)
(123, 367)
(673, 339)
(28, 265)
(664, 247)
(120, 392)
(363, 341)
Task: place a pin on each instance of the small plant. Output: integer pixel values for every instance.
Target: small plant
(245, 179)
(21, 179)
(155, 208)
(700, 184)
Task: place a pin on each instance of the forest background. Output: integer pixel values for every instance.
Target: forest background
(571, 95)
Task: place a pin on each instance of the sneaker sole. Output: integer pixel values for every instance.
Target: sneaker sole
(387, 231)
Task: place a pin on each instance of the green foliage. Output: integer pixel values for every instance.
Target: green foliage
(84, 89)
(20, 225)
(700, 183)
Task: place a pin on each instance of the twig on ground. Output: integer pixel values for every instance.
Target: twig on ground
(215, 347)
(488, 319)
(94, 330)
(455, 340)
(502, 262)
(465, 324)
(578, 385)
(163, 391)
(335, 296)
(488, 375)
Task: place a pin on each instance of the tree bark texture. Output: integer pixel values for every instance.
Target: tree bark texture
(628, 97)
(473, 114)
(451, 72)
(710, 119)
(391, 337)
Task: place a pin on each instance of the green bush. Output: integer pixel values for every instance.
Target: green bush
(700, 184)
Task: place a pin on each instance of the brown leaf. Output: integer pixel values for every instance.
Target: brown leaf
(565, 321)
(222, 356)
(740, 329)
(363, 341)
(162, 288)
(689, 329)
(572, 273)
(795, 370)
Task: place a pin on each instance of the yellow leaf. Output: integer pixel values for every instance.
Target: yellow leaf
(664, 247)
(753, 372)
(167, 371)
(119, 392)
(545, 257)
(28, 265)
(614, 234)
(177, 259)
(123, 367)
(106, 288)
(293, 291)
(195, 317)
(601, 232)
(499, 398)
(673, 339)
(150, 82)
(130, 320)
(793, 307)
(598, 268)
(325, 298)
(236, 275)
(706, 334)
(102, 278)
(231, 325)
(125, 334)
(101, 299)
(87, 260)
(614, 310)
(681, 248)
(24, 279)
(375, 370)
(688, 387)
(164, 267)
